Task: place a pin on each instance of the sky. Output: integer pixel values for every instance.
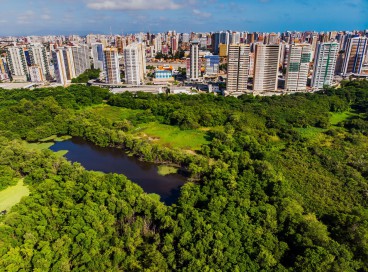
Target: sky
(47, 17)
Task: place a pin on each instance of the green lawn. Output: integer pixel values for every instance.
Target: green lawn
(172, 136)
(12, 195)
(112, 113)
(40, 146)
(338, 117)
(165, 170)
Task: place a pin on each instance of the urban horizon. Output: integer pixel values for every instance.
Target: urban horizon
(81, 17)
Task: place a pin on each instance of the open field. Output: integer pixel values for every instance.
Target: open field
(40, 146)
(12, 195)
(165, 170)
(112, 113)
(172, 136)
(338, 117)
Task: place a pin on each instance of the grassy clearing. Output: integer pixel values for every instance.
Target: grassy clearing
(62, 138)
(172, 136)
(165, 170)
(12, 195)
(39, 146)
(338, 117)
(310, 132)
(113, 113)
(61, 153)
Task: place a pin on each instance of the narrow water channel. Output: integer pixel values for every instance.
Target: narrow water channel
(113, 160)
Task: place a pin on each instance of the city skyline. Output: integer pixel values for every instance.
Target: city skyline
(126, 16)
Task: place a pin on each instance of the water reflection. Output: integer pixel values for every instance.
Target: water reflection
(113, 160)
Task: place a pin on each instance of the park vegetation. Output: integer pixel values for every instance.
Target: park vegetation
(279, 185)
(87, 75)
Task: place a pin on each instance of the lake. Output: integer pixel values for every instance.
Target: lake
(114, 160)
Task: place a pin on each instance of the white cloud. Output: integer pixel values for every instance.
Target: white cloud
(201, 14)
(26, 18)
(45, 17)
(133, 4)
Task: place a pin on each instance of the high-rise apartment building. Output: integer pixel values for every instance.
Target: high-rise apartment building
(266, 66)
(36, 74)
(135, 63)
(194, 61)
(354, 56)
(237, 68)
(212, 65)
(119, 44)
(39, 58)
(17, 63)
(59, 66)
(174, 44)
(324, 65)
(4, 72)
(98, 56)
(158, 43)
(298, 67)
(81, 58)
(112, 70)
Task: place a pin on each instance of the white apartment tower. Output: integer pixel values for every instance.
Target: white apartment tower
(158, 43)
(194, 60)
(17, 62)
(81, 58)
(64, 68)
(298, 67)
(59, 66)
(238, 68)
(324, 65)
(266, 66)
(36, 74)
(98, 56)
(135, 63)
(112, 65)
(39, 58)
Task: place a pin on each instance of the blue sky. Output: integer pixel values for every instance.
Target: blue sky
(42, 17)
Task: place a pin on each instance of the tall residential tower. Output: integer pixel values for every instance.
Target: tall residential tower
(237, 69)
(112, 65)
(194, 60)
(354, 56)
(298, 67)
(324, 65)
(266, 66)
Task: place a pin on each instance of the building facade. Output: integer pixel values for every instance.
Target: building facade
(81, 58)
(17, 63)
(212, 65)
(324, 65)
(354, 55)
(194, 61)
(266, 66)
(298, 67)
(98, 56)
(238, 68)
(135, 64)
(112, 70)
(39, 58)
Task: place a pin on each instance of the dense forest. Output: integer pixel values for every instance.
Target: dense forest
(280, 186)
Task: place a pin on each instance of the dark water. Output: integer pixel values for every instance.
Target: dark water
(113, 160)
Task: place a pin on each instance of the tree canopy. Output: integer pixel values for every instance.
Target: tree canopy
(281, 185)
